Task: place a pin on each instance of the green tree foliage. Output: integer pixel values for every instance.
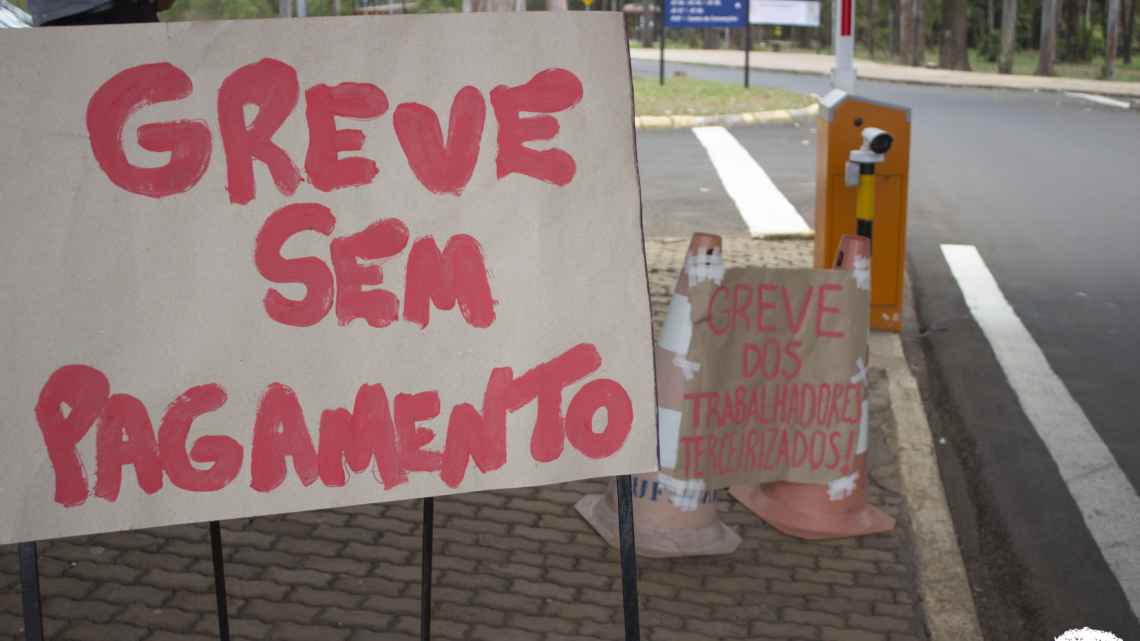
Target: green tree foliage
(220, 10)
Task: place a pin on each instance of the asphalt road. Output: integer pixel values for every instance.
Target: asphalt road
(1047, 187)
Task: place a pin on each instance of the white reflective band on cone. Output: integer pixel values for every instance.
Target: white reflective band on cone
(677, 331)
(668, 435)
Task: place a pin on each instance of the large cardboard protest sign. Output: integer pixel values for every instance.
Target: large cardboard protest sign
(775, 371)
(271, 266)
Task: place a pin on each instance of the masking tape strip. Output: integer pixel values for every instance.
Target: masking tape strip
(842, 487)
(685, 494)
(701, 267)
(687, 367)
(668, 435)
(677, 331)
(863, 272)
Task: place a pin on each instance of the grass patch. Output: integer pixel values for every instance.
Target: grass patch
(688, 96)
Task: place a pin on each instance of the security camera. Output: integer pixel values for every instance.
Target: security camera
(876, 142)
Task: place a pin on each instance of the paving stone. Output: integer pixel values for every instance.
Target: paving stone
(828, 633)
(831, 577)
(281, 527)
(670, 634)
(69, 551)
(543, 589)
(137, 540)
(535, 507)
(238, 570)
(369, 635)
(578, 611)
(484, 633)
(102, 632)
(264, 558)
(473, 581)
(704, 597)
(745, 613)
(309, 546)
(368, 585)
(445, 629)
(293, 632)
(390, 605)
(448, 562)
(839, 605)
(104, 572)
(577, 579)
(170, 619)
(878, 623)
(131, 594)
(367, 553)
(542, 624)
(782, 630)
(507, 516)
(190, 549)
(311, 578)
(69, 587)
(205, 603)
(239, 628)
(679, 608)
(355, 618)
(247, 538)
(717, 629)
(266, 590)
(471, 614)
(812, 617)
(612, 631)
(86, 610)
(272, 612)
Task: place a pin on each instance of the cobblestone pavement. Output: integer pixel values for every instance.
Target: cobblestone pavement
(508, 565)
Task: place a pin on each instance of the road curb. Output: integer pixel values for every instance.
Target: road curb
(943, 583)
(780, 115)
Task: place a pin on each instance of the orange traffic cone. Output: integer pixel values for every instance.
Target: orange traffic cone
(672, 517)
(840, 508)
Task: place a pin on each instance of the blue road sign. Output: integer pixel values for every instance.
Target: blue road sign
(704, 13)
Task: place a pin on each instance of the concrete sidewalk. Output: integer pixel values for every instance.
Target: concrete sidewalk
(816, 64)
(522, 565)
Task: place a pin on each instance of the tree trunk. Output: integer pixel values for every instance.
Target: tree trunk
(893, 32)
(871, 28)
(912, 36)
(1008, 35)
(709, 39)
(1110, 40)
(1048, 38)
(952, 53)
(1128, 25)
(646, 32)
(1070, 17)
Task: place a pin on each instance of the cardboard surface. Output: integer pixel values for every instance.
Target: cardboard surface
(156, 284)
(778, 389)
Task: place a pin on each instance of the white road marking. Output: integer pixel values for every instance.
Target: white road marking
(1111, 102)
(1109, 504)
(764, 208)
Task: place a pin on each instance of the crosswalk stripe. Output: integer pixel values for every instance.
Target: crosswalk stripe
(1107, 501)
(764, 208)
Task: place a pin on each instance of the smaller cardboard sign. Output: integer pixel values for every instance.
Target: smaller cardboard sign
(775, 385)
(795, 13)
